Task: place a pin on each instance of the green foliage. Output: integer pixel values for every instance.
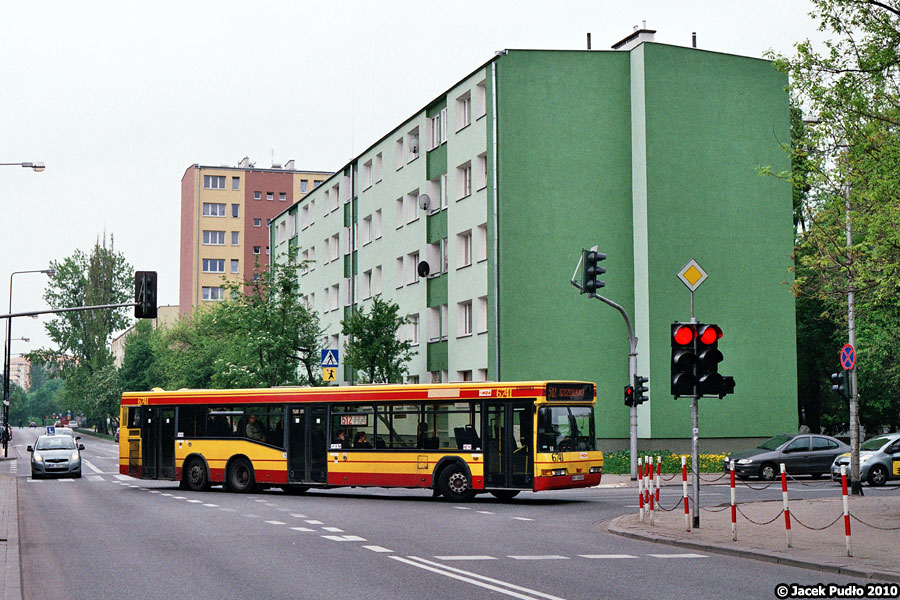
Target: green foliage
(39, 402)
(619, 462)
(137, 363)
(373, 348)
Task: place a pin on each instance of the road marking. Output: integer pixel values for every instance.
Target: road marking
(465, 558)
(195, 501)
(540, 557)
(344, 538)
(276, 523)
(522, 519)
(678, 555)
(174, 497)
(302, 529)
(250, 516)
(474, 579)
(484, 512)
(168, 495)
(298, 515)
(607, 556)
(333, 529)
(314, 522)
(96, 478)
(212, 505)
(90, 466)
(66, 480)
(228, 509)
(257, 500)
(123, 477)
(377, 549)
(462, 508)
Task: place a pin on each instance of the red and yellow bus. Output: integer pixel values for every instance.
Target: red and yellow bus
(456, 439)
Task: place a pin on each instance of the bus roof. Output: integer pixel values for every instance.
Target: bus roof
(362, 393)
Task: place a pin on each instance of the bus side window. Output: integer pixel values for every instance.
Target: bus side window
(134, 417)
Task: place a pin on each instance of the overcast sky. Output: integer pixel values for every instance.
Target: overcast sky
(119, 98)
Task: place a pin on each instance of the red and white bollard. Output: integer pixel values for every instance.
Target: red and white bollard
(658, 477)
(846, 508)
(733, 509)
(650, 489)
(687, 517)
(787, 511)
(640, 463)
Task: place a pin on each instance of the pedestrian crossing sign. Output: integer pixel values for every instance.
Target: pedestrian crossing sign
(329, 374)
(330, 358)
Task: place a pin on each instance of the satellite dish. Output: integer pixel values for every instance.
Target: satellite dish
(423, 269)
(424, 201)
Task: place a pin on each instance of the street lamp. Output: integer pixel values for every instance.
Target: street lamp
(6, 350)
(35, 166)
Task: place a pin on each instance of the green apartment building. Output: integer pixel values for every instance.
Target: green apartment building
(651, 152)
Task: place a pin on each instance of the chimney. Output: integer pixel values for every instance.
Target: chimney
(245, 162)
(635, 38)
(289, 165)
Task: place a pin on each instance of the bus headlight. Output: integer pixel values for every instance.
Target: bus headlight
(596, 469)
(553, 472)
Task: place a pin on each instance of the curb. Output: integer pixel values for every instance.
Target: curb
(753, 554)
(10, 567)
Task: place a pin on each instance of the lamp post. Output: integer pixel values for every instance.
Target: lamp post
(6, 349)
(35, 166)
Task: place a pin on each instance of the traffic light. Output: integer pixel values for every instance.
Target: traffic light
(640, 390)
(591, 271)
(708, 358)
(684, 358)
(145, 294)
(629, 395)
(840, 384)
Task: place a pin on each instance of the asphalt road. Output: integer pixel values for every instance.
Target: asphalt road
(108, 536)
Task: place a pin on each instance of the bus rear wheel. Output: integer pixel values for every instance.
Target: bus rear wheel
(196, 476)
(240, 476)
(454, 484)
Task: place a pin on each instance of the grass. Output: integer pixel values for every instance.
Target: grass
(619, 463)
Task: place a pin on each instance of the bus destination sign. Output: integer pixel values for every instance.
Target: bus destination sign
(570, 392)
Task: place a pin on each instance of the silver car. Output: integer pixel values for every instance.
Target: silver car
(879, 460)
(55, 455)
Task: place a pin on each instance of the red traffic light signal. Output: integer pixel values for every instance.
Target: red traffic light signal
(629, 395)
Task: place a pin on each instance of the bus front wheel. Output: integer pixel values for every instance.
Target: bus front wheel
(455, 485)
(240, 476)
(196, 476)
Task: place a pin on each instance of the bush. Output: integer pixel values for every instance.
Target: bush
(619, 462)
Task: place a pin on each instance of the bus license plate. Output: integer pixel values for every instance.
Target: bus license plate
(577, 477)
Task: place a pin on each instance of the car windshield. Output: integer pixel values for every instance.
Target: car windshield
(62, 442)
(875, 443)
(775, 442)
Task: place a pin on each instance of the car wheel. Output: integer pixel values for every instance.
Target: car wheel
(877, 476)
(455, 485)
(240, 476)
(196, 475)
(768, 471)
(77, 475)
(505, 494)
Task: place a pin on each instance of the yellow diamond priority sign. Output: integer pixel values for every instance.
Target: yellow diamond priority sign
(692, 275)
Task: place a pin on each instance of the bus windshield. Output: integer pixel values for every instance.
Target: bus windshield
(565, 428)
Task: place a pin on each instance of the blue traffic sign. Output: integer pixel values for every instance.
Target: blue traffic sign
(330, 358)
(848, 357)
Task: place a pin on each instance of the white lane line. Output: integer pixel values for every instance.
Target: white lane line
(688, 555)
(601, 556)
(522, 519)
(96, 477)
(465, 557)
(256, 500)
(228, 509)
(173, 497)
(250, 516)
(474, 578)
(302, 529)
(484, 512)
(377, 549)
(462, 508)
(195, 501)
(123, 477)
(212, 505)
(344, 538)
(276, 523)
(540, 557)
(314, 522)
(333, 529)
(298, 515)
(90, 466)
(152, 491)
(66, 480)
(168, 495)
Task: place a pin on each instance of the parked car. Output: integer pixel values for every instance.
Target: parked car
(879, 460)
(55, 455)
(802, 454)
(116, 436)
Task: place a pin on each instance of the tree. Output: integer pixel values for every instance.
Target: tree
(138, 359)
(373, 346)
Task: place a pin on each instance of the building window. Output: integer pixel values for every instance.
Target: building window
(464, 249)
(480, 100)
(270, 195)
(443, 124)
(398, 145)
(304, 186)
(213, 293)
(378, 167)
(213, 265)
(435, 376)
(257, 195)
(213, 209)
(464, 180)
(412, 268)
(256, 249)
(235, 238)
(464, 318)
(399, 271)
(213, 238)
(482, 375)
(282, 196)
(376, 281)
(413, 329)
(257, 222)
(235, 210)
(398, 212)
(481, 314)
(317, 183)
(412, 379)
(234, 265)
(434, 132)
(463, 110)
(411, 206)
(235, 183)
(444, 190)
(464, 375)
(481, 243)
(366, 233)
(367, 175)
(376, 225)
(214, 182)
(412, 142)
(445, 255)
(366, 285)
(482, 172)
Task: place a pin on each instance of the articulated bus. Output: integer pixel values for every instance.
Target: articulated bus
(456, 439)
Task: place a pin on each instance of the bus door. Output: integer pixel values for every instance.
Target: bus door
(509, 445)
(158, 443)
(307, 455)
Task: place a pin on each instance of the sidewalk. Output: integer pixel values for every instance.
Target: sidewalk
(10, 576)
(824, 549)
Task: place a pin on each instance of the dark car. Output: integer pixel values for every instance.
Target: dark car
(802, 454)
(55, 455)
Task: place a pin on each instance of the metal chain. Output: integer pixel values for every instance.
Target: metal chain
(794, 518)
(663, 508)
(874, 526)
(674, 475)
(817, 484)
(768, 485)
(781, 512)
(701, 478)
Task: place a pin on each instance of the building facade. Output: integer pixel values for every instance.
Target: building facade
(225, 213)
(472, 214)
